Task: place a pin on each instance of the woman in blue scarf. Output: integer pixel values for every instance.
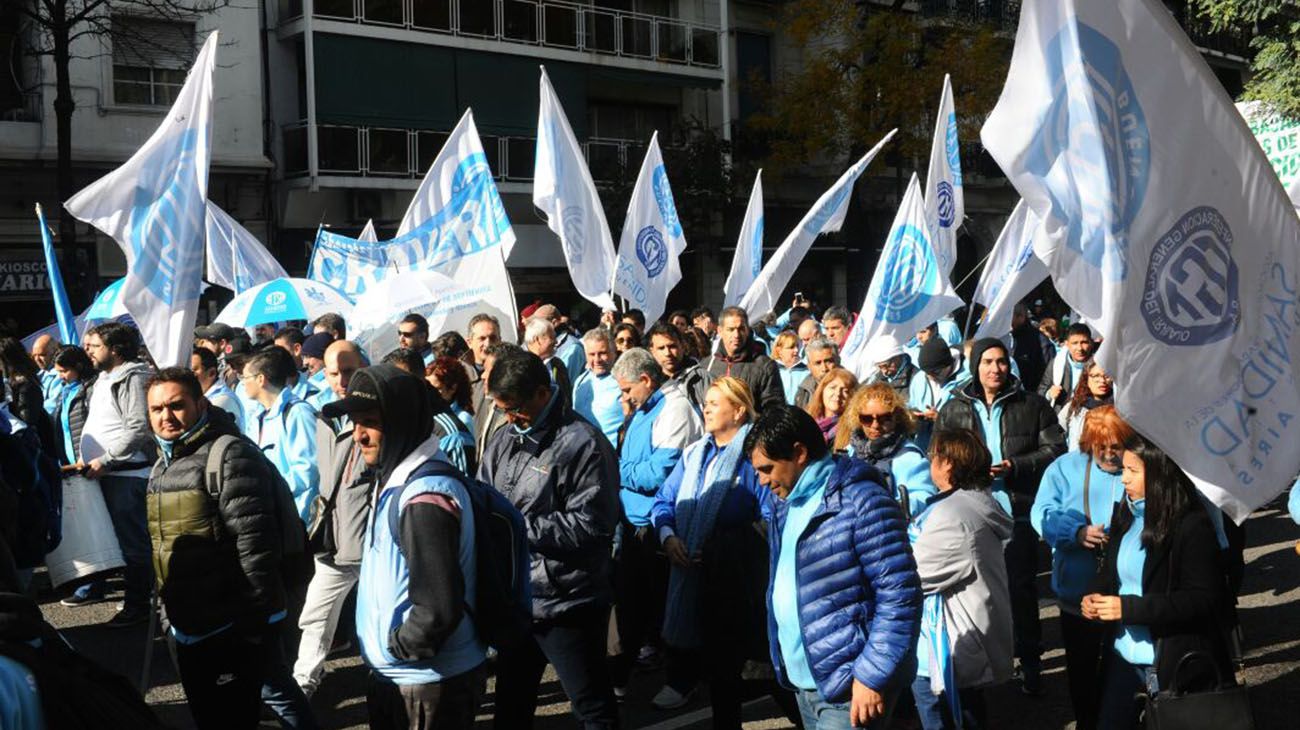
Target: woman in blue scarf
(705, 515)
(879, 429)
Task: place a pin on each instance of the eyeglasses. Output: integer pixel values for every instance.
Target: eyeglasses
(869, 420)
(1098, 376)
(407, 334)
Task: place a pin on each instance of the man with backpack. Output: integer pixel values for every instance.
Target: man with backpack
(418, 590)
(223, 524)
(283, 425)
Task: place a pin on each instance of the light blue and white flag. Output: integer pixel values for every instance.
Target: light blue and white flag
(945, 202)
(1011, 272)
(647, 267)
(456, 225)
(825, 216)
(1165, 227)
(564, 191)
(907, 292)
(62, 307)
(748, 260)
(368, 233)
(154, 207)
(236, 259)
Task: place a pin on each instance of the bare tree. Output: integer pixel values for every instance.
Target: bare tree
(56, 28)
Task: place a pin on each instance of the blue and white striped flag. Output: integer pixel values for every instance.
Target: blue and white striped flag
(236, 259)
(748, 260)
(1165, 226)
(945, 201)
(907, 292)
(154, 206)
(564, 191)
(825, 216)
(653, 239)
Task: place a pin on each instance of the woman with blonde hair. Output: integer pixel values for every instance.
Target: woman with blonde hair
(831, 399)
(790, 363)
(704, 515)
(879, 429)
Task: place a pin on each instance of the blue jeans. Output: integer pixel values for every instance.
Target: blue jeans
(1123, 686)
(818, 714)
(933, 709)
(125, 499)
(280, 691)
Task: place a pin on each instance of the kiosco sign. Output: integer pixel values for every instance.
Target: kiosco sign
(22, 275)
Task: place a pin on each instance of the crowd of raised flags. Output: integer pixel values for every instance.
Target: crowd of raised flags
(1185, 266)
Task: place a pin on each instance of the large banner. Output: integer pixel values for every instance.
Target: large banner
(1278, 136)
(1165, 226)
(154, 206)
(647, 267)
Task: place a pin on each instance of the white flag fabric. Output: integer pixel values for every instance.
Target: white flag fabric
(1164, 226)
(564, 191)
(647, 267)
(748, 260)
(1011, 272)
(1294, 194)
(825, 216)
(368, 234)
(236, 259)
(908, 291)
(154, 207)
(945, 203)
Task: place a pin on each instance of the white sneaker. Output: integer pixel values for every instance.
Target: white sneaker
(670, 699)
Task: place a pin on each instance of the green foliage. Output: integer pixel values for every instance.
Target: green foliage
(866, 69)
(1274, 26)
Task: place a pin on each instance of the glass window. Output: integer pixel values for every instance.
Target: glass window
(150, 59)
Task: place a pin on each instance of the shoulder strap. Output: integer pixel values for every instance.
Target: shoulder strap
(212, 471)
(430, 468)
(1087, 480)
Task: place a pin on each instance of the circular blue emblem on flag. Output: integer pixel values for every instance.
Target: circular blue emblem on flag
(573, 221)
(947, 209)
(911, 275)
(165, 219)
(952, 149)
(667, 208)
(651, 251)
(1093, 149)
(1190, 294)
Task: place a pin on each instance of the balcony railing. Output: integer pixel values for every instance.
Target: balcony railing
(1004, 14)
(405, 154)
(548, 23)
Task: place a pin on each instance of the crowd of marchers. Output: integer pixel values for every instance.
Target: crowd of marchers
(719, 500)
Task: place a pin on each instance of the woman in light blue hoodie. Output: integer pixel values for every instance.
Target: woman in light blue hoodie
(878, 428)
(1072, 513)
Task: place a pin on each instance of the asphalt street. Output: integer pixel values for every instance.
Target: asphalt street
(1269, 609)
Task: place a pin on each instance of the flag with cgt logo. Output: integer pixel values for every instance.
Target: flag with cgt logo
(154, 206)
(748, 259)
(945, 200)
(647, 267)
(1163, 225)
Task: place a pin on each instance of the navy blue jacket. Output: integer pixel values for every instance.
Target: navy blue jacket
(859, 594)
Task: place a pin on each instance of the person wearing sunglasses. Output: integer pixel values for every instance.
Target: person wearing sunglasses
(878, 428)
(413, 334)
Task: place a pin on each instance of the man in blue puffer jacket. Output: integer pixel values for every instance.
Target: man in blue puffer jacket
(844, 599)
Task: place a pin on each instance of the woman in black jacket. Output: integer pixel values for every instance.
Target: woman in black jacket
(1162, 588)
(22, 381)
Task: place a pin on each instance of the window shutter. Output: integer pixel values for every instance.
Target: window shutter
(151, 43)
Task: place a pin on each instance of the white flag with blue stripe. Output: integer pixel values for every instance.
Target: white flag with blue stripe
(945, 201)
(647, 267)
(748, 260)
(368, 233)
(154, 206)
(564, 191)
(1165, 226)
(825, 216)
(236, 259)
(908, 290)
(1012, 271)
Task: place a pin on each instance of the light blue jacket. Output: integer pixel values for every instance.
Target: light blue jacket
(221, 396)
(910, 468)
(304, 388)
(1058, 513)
(286, 433)
(1133, 642)
(571, 352)
(923, 395)
(598, 399)
(791, 378)
(51, 390)
(20, 698)
(383, 590)
(659, 431)
(1293, 502)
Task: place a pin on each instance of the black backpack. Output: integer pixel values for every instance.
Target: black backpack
(293, 534)
(503, 606)
(36, 484)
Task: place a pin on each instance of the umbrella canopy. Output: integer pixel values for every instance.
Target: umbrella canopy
(284, 299)
(427, 293)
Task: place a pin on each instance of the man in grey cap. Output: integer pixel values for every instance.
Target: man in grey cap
(214, 337)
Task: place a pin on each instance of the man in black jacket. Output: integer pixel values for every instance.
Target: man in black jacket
(741, 357)
(1023, 436)
(217, 557)
(1030, 347)
(561, 473)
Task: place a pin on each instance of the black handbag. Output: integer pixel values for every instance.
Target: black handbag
(1226, 707)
